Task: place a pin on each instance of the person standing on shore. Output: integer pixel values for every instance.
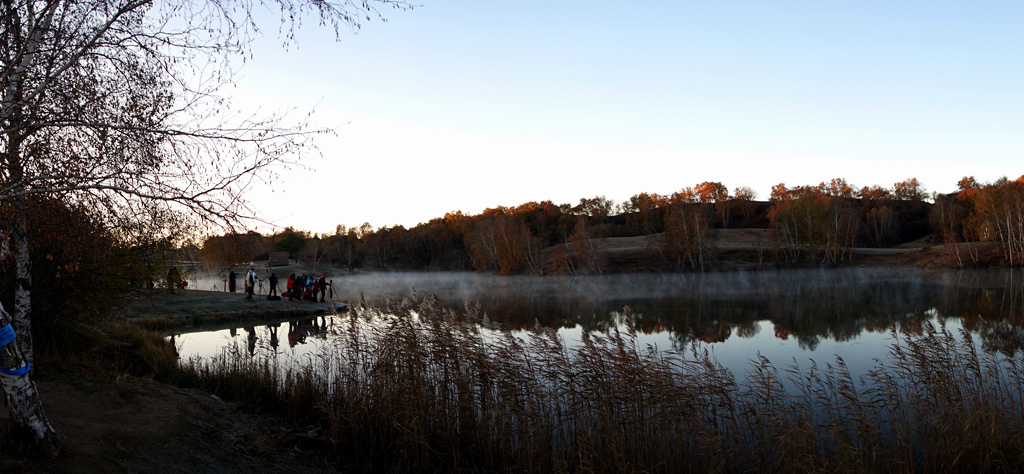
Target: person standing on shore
(231, 281)
(300, 283)
(273, 286)
(173, 279)
(250, 283)
(322, 286)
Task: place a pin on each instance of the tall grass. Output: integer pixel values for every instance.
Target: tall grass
(413, 386)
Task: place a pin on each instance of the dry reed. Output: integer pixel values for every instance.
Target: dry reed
(413, 386)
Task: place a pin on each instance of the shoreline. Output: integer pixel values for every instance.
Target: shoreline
(162, 310)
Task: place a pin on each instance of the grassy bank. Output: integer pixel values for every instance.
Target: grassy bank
(415, 387)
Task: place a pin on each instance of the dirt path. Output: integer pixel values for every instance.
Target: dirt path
(133, 424)
(138, 425)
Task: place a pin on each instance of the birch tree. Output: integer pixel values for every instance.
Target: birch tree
(743, 201)
(842, 219)
(579, 254)
(502, 243)
(949, 216)
(717, 194)
(686, 239)
(999, 216)
(879, 216)
(799, 216)
(117, 104)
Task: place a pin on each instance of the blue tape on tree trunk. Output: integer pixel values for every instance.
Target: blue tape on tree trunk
(6, 335)
(20, 371)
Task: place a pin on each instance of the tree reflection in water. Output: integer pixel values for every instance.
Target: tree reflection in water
(807, 307)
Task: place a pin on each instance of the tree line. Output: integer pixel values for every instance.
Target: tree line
(806, 223)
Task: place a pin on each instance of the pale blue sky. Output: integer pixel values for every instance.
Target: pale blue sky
(469, 105)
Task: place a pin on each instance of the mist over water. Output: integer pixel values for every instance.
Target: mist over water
(785, 315)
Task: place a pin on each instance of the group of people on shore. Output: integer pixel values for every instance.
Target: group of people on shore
(304, 287)
(301, 287)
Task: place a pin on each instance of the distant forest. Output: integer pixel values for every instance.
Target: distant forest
(678, 232)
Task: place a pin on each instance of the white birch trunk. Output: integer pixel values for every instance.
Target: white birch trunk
(22, 396)
(21, 319)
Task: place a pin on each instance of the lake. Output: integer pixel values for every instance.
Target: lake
(786, 315)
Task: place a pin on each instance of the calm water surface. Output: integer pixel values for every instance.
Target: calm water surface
(788, 316)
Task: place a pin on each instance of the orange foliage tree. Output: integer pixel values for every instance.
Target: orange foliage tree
(502, 243)
(597, 207)
(644, 212)
(842, 220)
(716, 194)
(742, 202)
(799, 217)
(580, 253)
(999, 209)
(909, 190)
(548, 221)
(954, 216)
(948, 215)
(879, 215)
(685, 241)
(811, 218)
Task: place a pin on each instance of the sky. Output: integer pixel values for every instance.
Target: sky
(459, 105)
